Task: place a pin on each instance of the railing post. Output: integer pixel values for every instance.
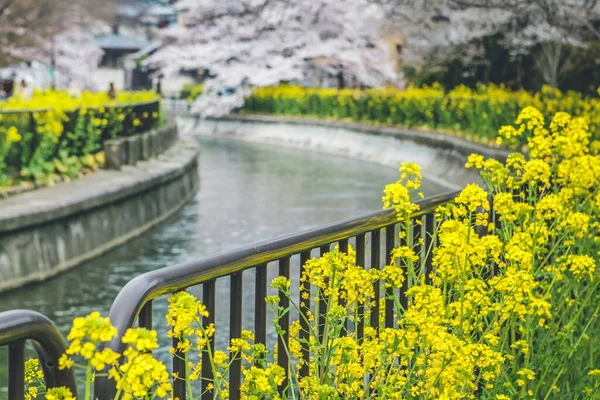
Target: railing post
(390, 238)
(430, 238)
(375, 263)
(35, 137)
(493, 219)
(344, 249)
(179, 371)
(208, 299)
(284, 322)
(145, 317)
(322, 300)
(360, 261)
(16, 370)
(260, 307)
(235, 331)
(304, 302)
(404, 241)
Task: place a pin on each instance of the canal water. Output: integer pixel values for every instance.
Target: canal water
(248, 193)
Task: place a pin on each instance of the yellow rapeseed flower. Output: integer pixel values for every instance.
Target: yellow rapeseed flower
(59, 393)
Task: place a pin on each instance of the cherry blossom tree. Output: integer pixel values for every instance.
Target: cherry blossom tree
(553, 26)
(265, 42)
(57, 33)
(437, 27)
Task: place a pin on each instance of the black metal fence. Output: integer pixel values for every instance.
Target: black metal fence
(21, 326)
(378, 228)
(374, 234)
(107, 122)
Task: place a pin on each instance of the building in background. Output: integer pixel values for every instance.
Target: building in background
(134, 35)
(144, 76)
(112, 68)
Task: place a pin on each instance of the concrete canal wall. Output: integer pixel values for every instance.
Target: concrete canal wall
(441, 156)
(50, 230)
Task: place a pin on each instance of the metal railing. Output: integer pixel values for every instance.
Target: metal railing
(375, 233)
(18, 327)
(175, 104)
(134, 301)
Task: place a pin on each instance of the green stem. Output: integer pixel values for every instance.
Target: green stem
(463, 278)
(217, 387)
(187, 375)
(571, 322)
(324, 360)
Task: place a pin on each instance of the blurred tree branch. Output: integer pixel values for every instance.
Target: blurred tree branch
(551, 27)
(26, 24)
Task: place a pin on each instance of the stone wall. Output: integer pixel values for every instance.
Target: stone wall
(441, 156)
(50, 230)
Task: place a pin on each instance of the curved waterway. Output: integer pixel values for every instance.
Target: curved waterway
(248, 193)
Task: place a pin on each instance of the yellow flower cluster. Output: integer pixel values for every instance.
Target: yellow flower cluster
(61, 100)
(262, 382)
(398, 194)
(138, 376)
(184, 310)
(141, 372)
(61, 132)
(507, 309)
(336, 269)
(60, 393)
(510, 263)
(185, 321)
(33, 379)
(261, 379)
(478, 111)
(33, 371)
(191, 92)
(461, 252)
(581, 266)
(12, 135)
(546, 223)
(86, 334)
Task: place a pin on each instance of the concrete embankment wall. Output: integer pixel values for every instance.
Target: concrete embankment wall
(47, 231)
(442, 157)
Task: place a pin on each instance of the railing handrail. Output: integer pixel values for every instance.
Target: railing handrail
(39, 110)
(150, 285)
(18, 326)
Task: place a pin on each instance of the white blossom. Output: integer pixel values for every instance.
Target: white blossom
(265, 42)
(436, 25)
(55, 33)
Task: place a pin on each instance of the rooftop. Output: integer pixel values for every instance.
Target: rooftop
(114, 41)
